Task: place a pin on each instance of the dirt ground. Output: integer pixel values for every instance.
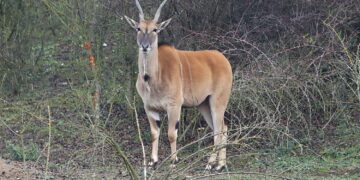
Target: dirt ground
(18, 170)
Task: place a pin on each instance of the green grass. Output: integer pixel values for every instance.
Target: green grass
(339, 164)
(21, 152)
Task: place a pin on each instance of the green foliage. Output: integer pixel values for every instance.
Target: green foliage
(343, 152)
(20, 153)
(286, 149)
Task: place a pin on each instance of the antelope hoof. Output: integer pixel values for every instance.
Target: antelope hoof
(209, 167)
(177, 160)
(153, 165)
(174, 162)
(220, 168)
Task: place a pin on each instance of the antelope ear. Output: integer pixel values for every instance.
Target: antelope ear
(163, 25)
(132, 22)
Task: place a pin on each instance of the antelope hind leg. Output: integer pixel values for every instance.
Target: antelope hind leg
(218, 106)
(222, 152)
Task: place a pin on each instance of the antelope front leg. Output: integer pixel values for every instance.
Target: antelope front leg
(173, 118)
(154, 121)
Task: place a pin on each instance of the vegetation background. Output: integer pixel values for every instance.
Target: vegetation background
(68, 104)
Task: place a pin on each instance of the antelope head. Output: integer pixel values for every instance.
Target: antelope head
(148, 30)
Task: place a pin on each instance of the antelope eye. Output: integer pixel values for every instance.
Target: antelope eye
(155, 30)
(138, 29)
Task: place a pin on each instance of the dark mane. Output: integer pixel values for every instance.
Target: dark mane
(163, 43)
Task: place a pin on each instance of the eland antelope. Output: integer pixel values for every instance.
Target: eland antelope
(170, 79)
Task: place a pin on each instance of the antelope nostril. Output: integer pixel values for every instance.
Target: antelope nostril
(145, 47)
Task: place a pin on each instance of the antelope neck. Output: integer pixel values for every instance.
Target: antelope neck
(148, 64)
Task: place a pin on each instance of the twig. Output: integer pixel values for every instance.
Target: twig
(49, 143)
(228, 173)
(139, 133)
(108, 117)
(128, 165)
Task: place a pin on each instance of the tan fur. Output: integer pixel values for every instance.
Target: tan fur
(186, 78)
